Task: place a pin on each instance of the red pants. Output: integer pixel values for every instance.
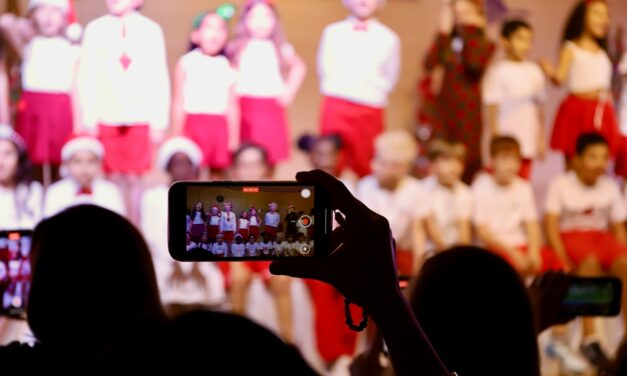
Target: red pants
(211, 134)
(581, 245)
(264, 122)
(128, 149)
(550, 261)
(357, 126)
(270, 231)
(333, 337)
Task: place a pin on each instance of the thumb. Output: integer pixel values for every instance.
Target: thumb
(310, 268)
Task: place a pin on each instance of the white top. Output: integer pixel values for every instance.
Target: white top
(154, 227)
(21, 208)
(64, 194)
(260, 70)
(265, 248)
(49, 65)
(505, 210)
(251, 248)
(585, 208)
(238, 250)
(243, 223)
(589, 70)
(448, 206)
(227, 221)
(197, 220)
(214, 220)
(401, 208)
(361, 66)
(218, 248)
(113, 95)
(517, 88)
(272, 219)
(253, 220)
(208, 83)
(281, 248)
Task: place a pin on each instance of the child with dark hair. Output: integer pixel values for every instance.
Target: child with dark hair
(586, 69)
(199, 221)
(514, 90)
(585, 215)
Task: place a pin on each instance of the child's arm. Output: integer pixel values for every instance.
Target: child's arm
(433, 232)
(464, 232)
(618, 230)
(177, 116)
(558, 75)
(295, 76)
(542, 145)
(233, 119)
(492, 113)
(160, 87)
(18, 31)
(534, 244)
(418, 242)
(552, 223)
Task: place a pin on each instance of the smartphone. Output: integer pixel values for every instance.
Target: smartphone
(243, 221)
(593, 297)
(15, 272)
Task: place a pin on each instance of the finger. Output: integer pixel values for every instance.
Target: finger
(311, 268)
(341, 198)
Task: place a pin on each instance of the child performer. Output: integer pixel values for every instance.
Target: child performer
(261, 53)
(585, 215)
(451, 200)
(514, 90)
(463, 50)
(197, 284)
(291, 221)
(254, 221)
(228, 223)
(238, 249)
(213, 224)
(251, 246)
(203, 105)
(199, 221)
(220, 248)
(392, 192)
(243, 225)
(82, 160)
(358, 67)
(280, 245)
(586, 69)
(124, 90)
(272, 221)
(46, 113)
(505, 214)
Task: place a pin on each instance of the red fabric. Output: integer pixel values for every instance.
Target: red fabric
(45, 122)
(550, 261)
(525, 169)
(264, 122)
(404, 262)
(261, 268)
(212, 231)
(128, 149)
(333, 337)
(228, 236)
(196, 231)
(271, 231)
(244, 233)
(254, 230)
(357, 126)
(602, 245)
(621, 158)
(576, 116)
(211, 133)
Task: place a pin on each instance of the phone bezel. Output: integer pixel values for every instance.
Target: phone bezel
(592, 309)
(16, 313)
(177, 209)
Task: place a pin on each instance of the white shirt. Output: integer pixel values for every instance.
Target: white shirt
(238, 250)
(448, 206)
(401, 208)
(517, 88)
(49, 65)
(208, 83)
(260, 70)
(21, 208)
(63, 194)
(214, 220)
(272, 219)
(585, 208)
(251, 248)
(112, 95)
(154, 226)
(589, 71)
(265, 248)
(218, 248)
(227, 221)
(243, 223)
(253, 221)
(359, 66)
(197, 218)
(505, 210)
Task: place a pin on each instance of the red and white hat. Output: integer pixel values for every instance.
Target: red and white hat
(73, 31)
(82, 143)
(64, 5)
(178, 145)
(7, 133)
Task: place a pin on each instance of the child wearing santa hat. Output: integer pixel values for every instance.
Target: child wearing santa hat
(82, 164)
(45, 116)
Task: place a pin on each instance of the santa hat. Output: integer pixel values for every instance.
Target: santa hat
(82, 143)
(7, 133)
(64, 5)
(178, 145)
(73, 31)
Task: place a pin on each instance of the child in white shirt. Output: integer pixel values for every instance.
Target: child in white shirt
(252, 246)
(238, 249)
(219, 248)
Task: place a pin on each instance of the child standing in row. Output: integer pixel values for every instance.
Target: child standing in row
(243, 225)
(272, 220)
(228, 223)
(513, 91)
(204, 104)
(46, 113)
(261, 54)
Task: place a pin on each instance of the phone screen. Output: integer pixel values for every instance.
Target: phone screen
(243, 221)
(593, 297)
(15, 272)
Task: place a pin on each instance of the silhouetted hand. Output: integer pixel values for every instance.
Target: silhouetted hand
(547, 293)
(362, 264)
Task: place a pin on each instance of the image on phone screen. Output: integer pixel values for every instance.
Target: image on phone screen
(240, 221)
(593, 297)
(15, 272)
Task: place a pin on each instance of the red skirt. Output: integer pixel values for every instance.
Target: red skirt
(244, 233)
(357, 126)
(271, 231)
(212, 231)
(602, 245)
(45, 122)
(550, 261)
(228, 236)
(263, 122)
(211, 133)
(578, 115)
(254, 231)
(196, 231)
(128, 149)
